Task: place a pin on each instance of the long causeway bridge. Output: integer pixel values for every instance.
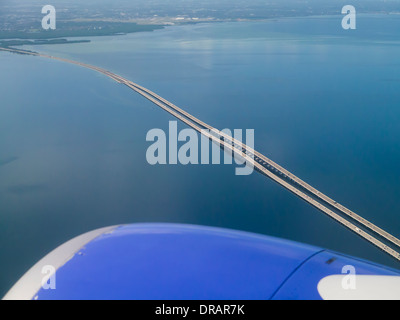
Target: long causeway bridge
(360, 226)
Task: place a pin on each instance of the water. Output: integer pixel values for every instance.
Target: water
(324, 104)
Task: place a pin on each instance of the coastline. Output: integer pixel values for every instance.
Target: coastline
(118, 28)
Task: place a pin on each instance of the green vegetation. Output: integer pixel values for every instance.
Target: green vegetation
(9, 43)
(78, 29)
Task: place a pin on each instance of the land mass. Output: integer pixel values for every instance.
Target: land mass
(22, 21)
(77, 29)
(11, 43)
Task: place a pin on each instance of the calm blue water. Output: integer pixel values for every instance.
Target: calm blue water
(324, 103)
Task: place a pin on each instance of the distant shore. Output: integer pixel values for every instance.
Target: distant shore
(12, 43)
(97, 28)
(77, 29)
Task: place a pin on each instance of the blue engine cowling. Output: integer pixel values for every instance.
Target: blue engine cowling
(184, 262)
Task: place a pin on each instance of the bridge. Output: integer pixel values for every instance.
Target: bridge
(352, 221)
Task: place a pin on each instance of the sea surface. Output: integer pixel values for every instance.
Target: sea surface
(324, 103)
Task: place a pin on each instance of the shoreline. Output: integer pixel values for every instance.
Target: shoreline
(18, 38)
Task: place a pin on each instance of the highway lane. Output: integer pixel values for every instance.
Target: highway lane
(271, 165)
(261, 163)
